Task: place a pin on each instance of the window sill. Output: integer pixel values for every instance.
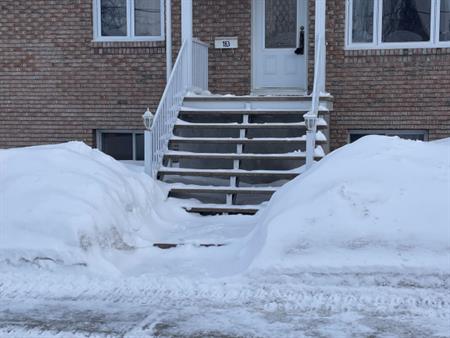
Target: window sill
(402, 51)
(397, 46)
(127, 44)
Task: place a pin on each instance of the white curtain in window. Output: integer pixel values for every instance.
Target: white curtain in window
(406, 20)
(445, 21)
(362, 21)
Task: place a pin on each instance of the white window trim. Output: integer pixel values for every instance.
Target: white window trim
(377, 34)
(97, 22)
(133, 132)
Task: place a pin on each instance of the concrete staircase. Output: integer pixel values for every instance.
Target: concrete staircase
(232, 153)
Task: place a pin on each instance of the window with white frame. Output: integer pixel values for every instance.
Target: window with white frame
(397, 24)
(122, 145)
(128, 20)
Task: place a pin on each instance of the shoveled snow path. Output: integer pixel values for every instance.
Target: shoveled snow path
(279, 303)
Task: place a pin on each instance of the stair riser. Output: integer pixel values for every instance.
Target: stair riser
(252, 177)
(249, 164)
(235, 118)
(254, 148)
(220, 198)
(192, 132)
(219, 211)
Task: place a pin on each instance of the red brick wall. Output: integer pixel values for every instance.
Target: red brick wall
(385, 89)
(229, 69)
(57, 85)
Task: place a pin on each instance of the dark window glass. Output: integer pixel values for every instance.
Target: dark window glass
(139, 147)
(417, 136)
(444, 32)
(281, 23)
(118, 145)
(406, 20)
(147, 17)
(362, 21)
(114, 17)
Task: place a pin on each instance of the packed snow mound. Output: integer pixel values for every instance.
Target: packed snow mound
(62, 202)
(381, 201)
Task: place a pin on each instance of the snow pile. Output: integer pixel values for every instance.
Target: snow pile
(59, 203)
(381, 201)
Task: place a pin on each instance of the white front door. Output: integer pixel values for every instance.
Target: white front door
(279, 45)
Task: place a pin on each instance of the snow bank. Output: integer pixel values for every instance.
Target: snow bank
(62, 203)
(381, 201)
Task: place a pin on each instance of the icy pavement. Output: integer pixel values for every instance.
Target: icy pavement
(261, 304)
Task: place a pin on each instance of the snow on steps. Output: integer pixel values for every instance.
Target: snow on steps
(223, 209)
(320, 138)
(243, 156)
(280, 174)
(237, 111)
(249, 142)
(321, 123)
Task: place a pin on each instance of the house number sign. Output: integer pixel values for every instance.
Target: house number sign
(226, 43)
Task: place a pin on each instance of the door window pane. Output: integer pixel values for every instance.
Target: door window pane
(281, 23)
(140, 147)
(114, 17)
(406, 20)
(362, 21)
(118, 145)
(445, 21)
(147, 17)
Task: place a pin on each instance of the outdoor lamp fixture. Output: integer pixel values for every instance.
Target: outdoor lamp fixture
(310, 121)
(148, 119)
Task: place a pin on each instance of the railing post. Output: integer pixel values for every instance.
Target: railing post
(148, 155)
(310, 121)
(186, 37)
(320, 30)
(168, 39)
(148, 118)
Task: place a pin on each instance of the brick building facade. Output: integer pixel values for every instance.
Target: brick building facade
(57, 84)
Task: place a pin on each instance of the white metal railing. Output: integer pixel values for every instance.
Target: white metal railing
(187, 72)
(199, 60)
(319, 83)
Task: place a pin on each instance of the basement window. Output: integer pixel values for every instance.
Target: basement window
(383, 24)
(128, 20)
(122, 145)
(417, 135)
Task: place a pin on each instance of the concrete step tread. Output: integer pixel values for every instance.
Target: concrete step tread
(223, 208)
(222, 189)
(320, 137)
(236, 111)
(254, 98)
(234, 156)
(286, 174)
(180, 123)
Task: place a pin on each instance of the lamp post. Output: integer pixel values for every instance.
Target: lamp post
(148, 142)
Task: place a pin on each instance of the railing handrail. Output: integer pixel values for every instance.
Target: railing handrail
(179, 83)
(169, 82)
(312, 115)
(317, 73)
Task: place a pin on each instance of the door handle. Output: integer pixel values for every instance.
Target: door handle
(301, 45)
